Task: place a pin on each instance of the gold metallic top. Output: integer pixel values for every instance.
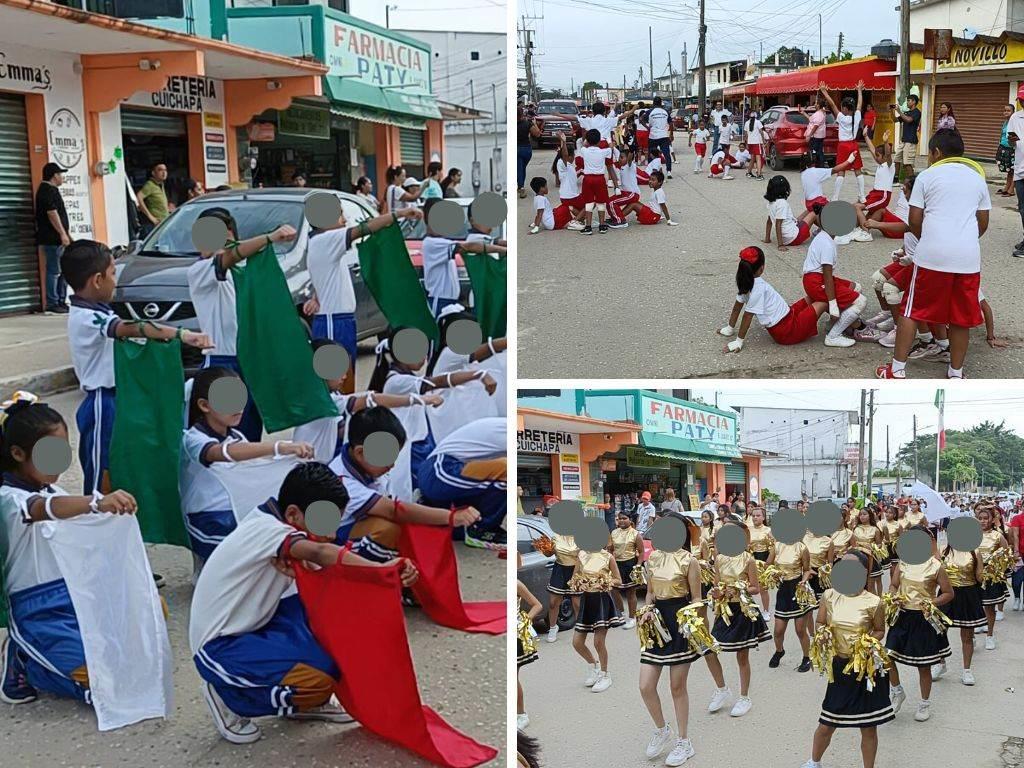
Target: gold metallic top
(849, 616)
(760, 538)
(890, 530)
(913, 518)
(789, 558)
(960, 568)
(989, 542)
(841, 542)
(707, 543)
(732, 569)
(864, 537)
(667, 573)
(566, 550)
(818, 547)
(596, 563)
(624, 543)
(919, 583)
(851, 517)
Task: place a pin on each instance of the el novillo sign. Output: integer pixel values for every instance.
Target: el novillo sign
(690, 422)
(377, 60)
(546, 441)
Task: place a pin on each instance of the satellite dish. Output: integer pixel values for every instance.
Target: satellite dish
(970, 33)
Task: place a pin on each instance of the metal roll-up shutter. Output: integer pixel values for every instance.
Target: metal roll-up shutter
(19, 262)
(411, 143)
(533, 460)
(978, 108)
(736, 473)
(146, 122)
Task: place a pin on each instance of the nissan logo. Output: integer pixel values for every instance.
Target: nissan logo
(151, 310)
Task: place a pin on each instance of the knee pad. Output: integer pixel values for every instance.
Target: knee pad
(589, 207)
(878, 280)
(859, 304)
(601, 207)
(892, 294)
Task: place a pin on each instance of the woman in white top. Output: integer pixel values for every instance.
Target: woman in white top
(848, 121)
(396, 197)
(786, 324)
(364, 191)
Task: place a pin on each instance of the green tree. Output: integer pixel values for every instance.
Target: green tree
(995, 452)
(832, 58)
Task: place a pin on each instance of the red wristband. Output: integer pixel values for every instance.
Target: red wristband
(347, 547)
(451, 517)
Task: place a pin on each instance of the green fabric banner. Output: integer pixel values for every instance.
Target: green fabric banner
(391, 278)
(489, 277)
(145, 447)
(274, 349)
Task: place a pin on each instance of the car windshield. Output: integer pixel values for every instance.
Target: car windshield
(559, 108)
(254, 217)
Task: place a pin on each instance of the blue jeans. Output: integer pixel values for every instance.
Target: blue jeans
(1017, 581)
(54, 283)
(714, 140)
(1018, 187)
(818, 151)
(523, 155)
(665, 145)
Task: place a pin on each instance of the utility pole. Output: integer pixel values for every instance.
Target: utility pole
(904, 80)
(820, 49)
(839, 53)
(572, 87)
(871, 435)
(531, 83)
(887, 447)
(860, 442)
(671, 79)
(650, 51)
(701, 46)
(915, 447)
(686, 78)
(476, 162)
(803, 476)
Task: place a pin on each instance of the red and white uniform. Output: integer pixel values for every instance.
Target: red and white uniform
(754, 137)
(848, 125)
(786, 324)
(569, 184)
(595, 184)
(643, 133)
(650, 212)
(629, 190)
(552, 218)
(812, 179)
(821, 252)
(881, 193)
(700, 141)
(604, 124)
(643, 175)
(793, 232)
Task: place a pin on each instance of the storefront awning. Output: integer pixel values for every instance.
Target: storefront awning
(356, 112)
(388, 105)
(741, 89)
(841, 76)
(684, 449)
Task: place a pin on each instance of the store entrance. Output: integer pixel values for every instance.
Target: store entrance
(324, 162)
(151, 137)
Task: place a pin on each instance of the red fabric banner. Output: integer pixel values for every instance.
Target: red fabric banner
(431, 548)
(378, 681)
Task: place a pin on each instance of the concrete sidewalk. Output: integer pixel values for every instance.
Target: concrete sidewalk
(34, 354)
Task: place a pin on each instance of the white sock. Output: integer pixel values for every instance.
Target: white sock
(860, 185)
(839, 186)
(952, 372)
(847, 318)
(926, 337)
(943, 343)
(898, 366)
(897, 689)
(925, 702)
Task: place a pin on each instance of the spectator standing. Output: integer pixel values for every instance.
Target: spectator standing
(911, 120)
(947, 120)
(671, 504)
(716, 124)
(152, 198)
(645, 512)
(193, 189)
(432, 184)
(660, 133)
(1004, 155)
(526, 131)
(815, 133)
(397, 196)
(364, 191)
(870, 116)
(450, 184)
(52, 234)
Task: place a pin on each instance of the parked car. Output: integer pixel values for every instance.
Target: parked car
(556, 116)
(784, 136)
(535, 572)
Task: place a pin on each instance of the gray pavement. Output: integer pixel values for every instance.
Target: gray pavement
(647, 301)
(461, 675)
(978, 726)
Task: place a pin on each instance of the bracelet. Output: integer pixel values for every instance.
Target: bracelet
(415, 399)
(180, 334)
(269, 242)
(490, 346)
(224, 450)
(94, 505)
(47, 509)
(394, 217)
(448, 380)
(277, 446)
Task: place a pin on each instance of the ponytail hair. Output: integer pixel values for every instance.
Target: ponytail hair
(750, 125)
(201, 389)
(862, 557)
(751, 260)
(443, 324)
(385, 359)
(24, 422)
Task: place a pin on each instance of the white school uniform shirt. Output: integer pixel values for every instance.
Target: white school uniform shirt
(743, 157)
(213, 296)
(363, 491)
(239, 589)
(885, 173)
(327, 435)
(627, 179)
(541, 203)
(395, 202)
(332, 281)
(480, 439)
(604, 124)
(780, 210)
(656, 200)
(901, 209)
(812, 179)
(951, 195)
(655, 165)
(848, 125)
(701, 136)
(440, 272)
(716, 116)
(754, 134)
(821, 251)
(28, 560)
(1016, 125)
(200, 489)
(568, 183)
(414, 420)
(718, 157)
(764, 303)
(658, 121)
(594, 159)
(91, 332)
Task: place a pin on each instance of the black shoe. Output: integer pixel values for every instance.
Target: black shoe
(58, 309)
(158, 580)
(618, 224)
(1018, 251)
(776, 658)
(603, 229)
(587, 231)
(805, 665)
(409, 599)
(1019, 246)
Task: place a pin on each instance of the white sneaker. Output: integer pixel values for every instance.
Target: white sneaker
(718, 699)
(697, 170)
(522, 721)
(741, 707)
(574, 225)
(331, 712)
(236, 729)
(659, 740)
(630, 623)
(938, 670)
(552, 634)
(766, 615)
(682, 752)
(889, 340)
(923, 712)
(811, 764)
(668, 175)
(999, 615)
(980, 630)
(843, 240)
(888, 324)
(604, 682)
(593, 672)
(861, 235)
(728, 177)
(897, 696)
(967, 677)
(839, 341)
(990, 643)
(1016, 604)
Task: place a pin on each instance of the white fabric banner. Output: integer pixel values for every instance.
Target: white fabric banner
(936, 507)
(127, 652)
(250, 483)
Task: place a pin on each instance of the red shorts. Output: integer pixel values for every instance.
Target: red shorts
(716, 169)
(595, 188)
(804, 232)
(843, 150)
(641, 140)
(646, 215)
(900, 274)
(642, 178)
(754, 150)
(877, 199)
(562, 216)
(891, 218)
(574, 202)
(943, 298)
(809, 204)
(799, 325)
(814, 284)
(700, 149)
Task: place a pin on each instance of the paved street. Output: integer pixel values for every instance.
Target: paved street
(461, 675)
(980, 726)
(647, 301)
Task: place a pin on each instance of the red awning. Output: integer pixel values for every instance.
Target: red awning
(742, 89)
(842, 76)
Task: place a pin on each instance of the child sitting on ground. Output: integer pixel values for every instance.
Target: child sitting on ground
(549, 217)
(656, 208)
(789, 230)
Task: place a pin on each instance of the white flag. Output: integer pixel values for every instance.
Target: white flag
(936, 507)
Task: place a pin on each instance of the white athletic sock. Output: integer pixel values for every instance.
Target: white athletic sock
(847, 318)
(860, 185)
(898, 366)
(897, 689)
(839, 186)
(943, 343)
(926, 337)
(698, 163)
(954, 373)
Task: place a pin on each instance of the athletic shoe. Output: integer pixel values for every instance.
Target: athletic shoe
(990, 643)
(593, 672)
(1018, 605)
(868, 333)
(682, 752)
(668, 174)
(938, 670)
(887, 325)
(923, 712)
(604, 682)
(522, 721)
(159, 581)
(805, 665)
(741, 707)
(618, 224)
(480, 539)
(630, 623)
(776, 658)
(886, 372)
(843, 240)
(602, 229)
(552, 634)
(587, 230)
(1019, 246)
(14, 688)
(728, 177)
(698, 170)
(861, 236)
(331, 712)
(838, 341)
(999, 615)
(59, 309)
(967, 677)
(811, 764)
(874, 320)
(980, 630)
(232, 727)
(889, 340)
(574, 225)
(659, 740)
(766, 615)
(718, 699)
(1018, 252)
(929, 351)
(897, 697)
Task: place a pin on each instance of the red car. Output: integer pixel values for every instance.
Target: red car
(784, 129)
(556, 116)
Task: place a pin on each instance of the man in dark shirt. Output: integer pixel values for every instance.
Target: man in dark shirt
(911, 122)
(52, 234)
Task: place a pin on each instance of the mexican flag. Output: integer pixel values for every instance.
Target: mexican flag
(489, 275)
(940, 403)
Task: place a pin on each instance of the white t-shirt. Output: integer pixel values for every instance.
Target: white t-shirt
(27, 558)
(848, 125)
(655, 165)
(821, 251)
(716, 116)
(811, 179)
(594, 159)
(363, 491)
(725, 133)
(701, 136)
(239, 589)
(568, 183)
(742, 158)
(765, 303)
(440, 272)
(328, 271)
(901, 210)
(1016, 125)
(657, 199)
(627, 178)
(604, 124)
(395, 202)
(91, 329)
(213, 297)
(201, 490)
(480, 439)
(329, 433)
(951, 195)
(754, 134)
(884, 176)
(718, 157)
(658, 121)
(780, 210)
(541, 203)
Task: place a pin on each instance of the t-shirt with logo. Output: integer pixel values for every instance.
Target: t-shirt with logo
(658, 121)
(92, 328)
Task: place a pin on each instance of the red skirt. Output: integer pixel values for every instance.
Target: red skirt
(843, 151)
(595, 188)
(803, 233)
(814, 284)
(641, 140)
(877, 199)
(754, 150)
(809, 204)
(799, 325)
(943, 298)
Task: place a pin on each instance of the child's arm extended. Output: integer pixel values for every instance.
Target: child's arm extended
(473, 246)
(533, 606)
(454, 379)
(488, 349)
(737, 344)
(845, 165)
(42, 508)
(990, 328)
(377, 223)
(147, 329)
(242, 250)
(325, 555)
(734, 317)
(409, 512)
(217, 452)
(360, 402)
(537, 222)
(830, 289)
(667, 215)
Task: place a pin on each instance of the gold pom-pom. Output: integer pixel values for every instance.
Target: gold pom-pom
(695, 630)
(769, 576)
(585, 582)
(805, 596)
(747, 605)
(721, 605)
(524, 630)
(996, 565)
(894, 603)
(707, 576)
(650, 628)
(544, 545)
(823, 651)
(825, 576)
(638, 575)
(869, 660)
(880, 553)
(935, 617)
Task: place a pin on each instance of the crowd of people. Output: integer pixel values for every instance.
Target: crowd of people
(696, 602)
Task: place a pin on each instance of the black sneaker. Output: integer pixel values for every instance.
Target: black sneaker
(409, 599)
(1018, 252)
(14, 688)
(776, 658)
(587, 231)
(159, 581)
(603, 229)
(618, 224)
(1019, 246)
(59, 309)
(805, 665)
(475, 537)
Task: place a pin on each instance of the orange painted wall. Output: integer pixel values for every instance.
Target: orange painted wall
(35, 118)
(387, 147)
(434, 141)
(196, 161)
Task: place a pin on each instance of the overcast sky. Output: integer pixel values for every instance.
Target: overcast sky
(455, 15)
(603, 40)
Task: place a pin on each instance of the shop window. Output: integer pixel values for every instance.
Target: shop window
(474, 55)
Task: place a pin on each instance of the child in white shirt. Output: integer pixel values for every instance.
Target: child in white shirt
(789, 230)
(656, 208)
(548, 216)
(700, 146)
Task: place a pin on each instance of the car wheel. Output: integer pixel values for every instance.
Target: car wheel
(566, 615)
(775, 162)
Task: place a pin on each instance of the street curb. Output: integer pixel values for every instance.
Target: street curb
(41, 382)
